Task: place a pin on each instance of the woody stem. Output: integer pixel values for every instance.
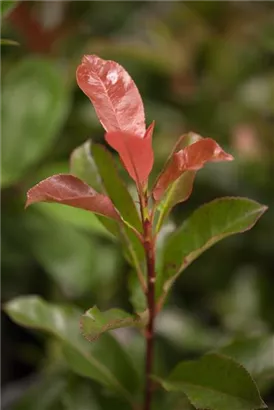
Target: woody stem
(149, 248)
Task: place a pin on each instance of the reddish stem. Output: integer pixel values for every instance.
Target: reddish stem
(150, 261)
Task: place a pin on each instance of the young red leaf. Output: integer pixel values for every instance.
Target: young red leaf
(113, 94)
(191, 158)
(135, 152)
(68, 190)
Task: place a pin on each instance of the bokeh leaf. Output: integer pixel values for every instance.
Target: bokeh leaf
(205, 227)
(62, 322)
(185, 332)
(35, 104)
(48, 389)
(8, 42)
(6, 7)
(66, 254)
(215, 382)
(94, 322)
(113, 94)
(255, 354)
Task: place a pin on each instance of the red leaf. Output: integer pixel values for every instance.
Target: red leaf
(191, 158)
(68, 190)
(113, 93)
(135, 152)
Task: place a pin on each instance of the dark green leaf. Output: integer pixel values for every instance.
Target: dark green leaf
(206, 226)
(123, 201)
(215, 382)
(106, 362)
(48, 388)
(115, 186)
(7, 6)
(67, 254)
(35, 103)
(94, 322)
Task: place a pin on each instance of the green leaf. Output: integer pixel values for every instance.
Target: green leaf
(8, 42)
(7, 6)
(123, 201)
(67, 254)
(82, 166)
(106, 362)
(215, 382)
(255, 354)
(205, 227)
(94, 322)
(76, 217)
(35, 103)
(181, 188)
(115, 186)
(48, 389)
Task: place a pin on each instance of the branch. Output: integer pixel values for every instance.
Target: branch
(149, 334)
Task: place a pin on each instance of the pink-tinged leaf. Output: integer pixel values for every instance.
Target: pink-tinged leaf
(135, 152)
(69, 190)
(113, 93)
(191, 158)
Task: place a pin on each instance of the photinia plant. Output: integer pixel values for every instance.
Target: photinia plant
(214, 381)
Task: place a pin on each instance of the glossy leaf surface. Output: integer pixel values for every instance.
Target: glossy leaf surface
(207, 225)
(68, 190)
(95, 361)
(113, 94)
(34, 107)
(94, 322)
(135, 153)
(215, 382)
(191, 158)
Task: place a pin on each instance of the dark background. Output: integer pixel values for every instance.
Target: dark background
(201, 66)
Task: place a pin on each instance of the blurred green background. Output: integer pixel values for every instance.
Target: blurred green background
(207, 67)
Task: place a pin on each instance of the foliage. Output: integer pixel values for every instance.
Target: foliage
(70, 255)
